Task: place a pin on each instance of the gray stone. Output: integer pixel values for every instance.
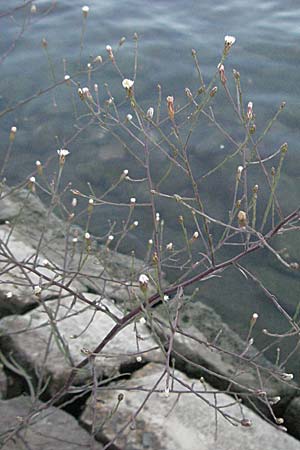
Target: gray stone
(17, 282)
(292, 417)
(180, 422)
(213, 353)
(48, 430)
(75, 330)
(3, 383)
(102, 271)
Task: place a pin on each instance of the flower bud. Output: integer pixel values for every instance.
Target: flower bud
(250, 111)
(169, 246)
(170, 105)
(222, 74)
(12, 134)
(150, 113)
(242, 219)
(143, 281)
(213, 91)
(239, 172)
(85, 10)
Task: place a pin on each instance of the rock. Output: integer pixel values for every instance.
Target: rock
(177, 422)
(3, 383)
(213, 353)
(17, 283)
(99, 270)
(50, 429)
(292, 417)
(75, 330)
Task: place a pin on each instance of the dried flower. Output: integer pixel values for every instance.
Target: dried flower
(170, 105)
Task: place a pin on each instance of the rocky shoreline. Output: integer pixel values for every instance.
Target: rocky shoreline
(58, 300)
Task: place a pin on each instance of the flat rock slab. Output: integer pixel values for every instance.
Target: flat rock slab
(177, 422)
(102, 271)
(212, 351)
(50, 429)
(57, 335)
(17, 282)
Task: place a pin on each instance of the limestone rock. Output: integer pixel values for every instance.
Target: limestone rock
(74, 330)
(50, 429)
(180, 422)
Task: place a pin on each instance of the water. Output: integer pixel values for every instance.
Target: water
(266, 54)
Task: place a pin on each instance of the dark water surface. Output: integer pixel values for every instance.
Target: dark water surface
(266, 54)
